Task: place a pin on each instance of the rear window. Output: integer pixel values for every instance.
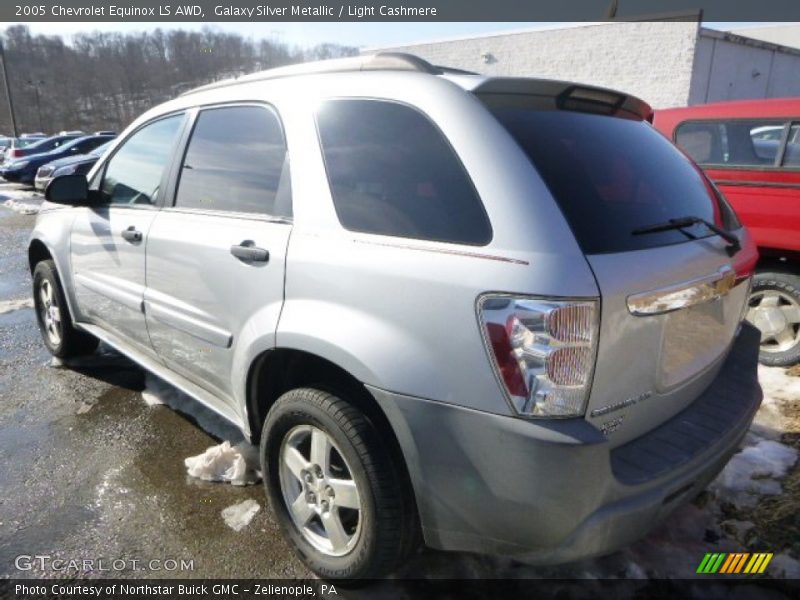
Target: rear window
(610, 175)
(392, 172)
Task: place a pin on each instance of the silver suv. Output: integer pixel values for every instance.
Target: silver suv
(495, 315)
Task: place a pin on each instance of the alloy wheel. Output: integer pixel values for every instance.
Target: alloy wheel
(319, 490)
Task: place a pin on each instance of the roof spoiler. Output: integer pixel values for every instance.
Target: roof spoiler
(570, 96)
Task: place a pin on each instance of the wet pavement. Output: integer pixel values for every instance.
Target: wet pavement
(89, 471)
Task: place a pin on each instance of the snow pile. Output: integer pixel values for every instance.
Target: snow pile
(7, 306)
(152, 397)
(778, 384)
(234, 464)
(239, 515)
(753, 471)
(23, 208)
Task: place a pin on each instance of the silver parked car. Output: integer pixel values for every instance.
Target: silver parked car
(495, 315)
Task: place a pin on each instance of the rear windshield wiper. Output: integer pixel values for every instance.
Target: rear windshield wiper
(683, 222)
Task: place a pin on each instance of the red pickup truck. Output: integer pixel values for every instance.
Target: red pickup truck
(751, 150)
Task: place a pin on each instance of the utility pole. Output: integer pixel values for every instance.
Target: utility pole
(35, 85)
(4, 74)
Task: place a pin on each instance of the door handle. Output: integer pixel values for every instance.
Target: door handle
(249, 252)
(132, 234)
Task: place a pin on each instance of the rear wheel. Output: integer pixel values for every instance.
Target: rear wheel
(334, 488)
(60, 336)
(774, 307)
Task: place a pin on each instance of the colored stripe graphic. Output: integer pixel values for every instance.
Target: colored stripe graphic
(730, 563)
(711, 562)
(758, 563)
(737, 562)
(734, 562)
(704, 563)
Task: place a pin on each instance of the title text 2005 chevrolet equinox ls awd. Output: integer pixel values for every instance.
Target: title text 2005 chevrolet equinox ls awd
(500, 315)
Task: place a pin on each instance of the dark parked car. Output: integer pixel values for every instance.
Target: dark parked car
(24, 170)
(71, 165)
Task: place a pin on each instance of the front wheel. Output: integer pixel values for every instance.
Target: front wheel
(774, 308)
(334, 488)
(52, 314)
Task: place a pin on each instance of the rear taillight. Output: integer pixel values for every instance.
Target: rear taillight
(16, 153)
(543, 351)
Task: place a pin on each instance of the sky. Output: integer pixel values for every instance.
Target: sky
(309, 34)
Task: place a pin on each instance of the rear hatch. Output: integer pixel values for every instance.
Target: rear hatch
(671, 299)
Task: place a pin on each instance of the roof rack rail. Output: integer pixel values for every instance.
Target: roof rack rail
(382, 61)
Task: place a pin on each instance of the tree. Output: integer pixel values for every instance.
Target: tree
(101, 80)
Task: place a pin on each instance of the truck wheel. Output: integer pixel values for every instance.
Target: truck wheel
(52, 313)
(333, 487)
(774, 307)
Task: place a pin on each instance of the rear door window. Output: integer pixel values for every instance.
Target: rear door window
(733, 143)
(610, 175)
(392, 172)
(236, 161)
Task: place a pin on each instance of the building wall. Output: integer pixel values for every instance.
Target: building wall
(652, 60)
(787, 34)
(730, 67)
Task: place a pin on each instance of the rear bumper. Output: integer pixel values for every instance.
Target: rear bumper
(554, 492)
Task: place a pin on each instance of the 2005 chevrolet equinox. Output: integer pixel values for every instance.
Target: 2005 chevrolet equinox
(497, 315)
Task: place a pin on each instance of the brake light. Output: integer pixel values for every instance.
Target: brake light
(16, 153)
(543, 351)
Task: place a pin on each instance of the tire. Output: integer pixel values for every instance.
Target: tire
(52, 313)
(774, 307)
(386, 528)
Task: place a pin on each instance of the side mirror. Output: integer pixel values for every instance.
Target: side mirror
(72, 190)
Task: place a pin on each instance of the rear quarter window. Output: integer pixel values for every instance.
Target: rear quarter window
(392, 172)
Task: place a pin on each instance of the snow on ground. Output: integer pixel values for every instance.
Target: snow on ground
(237, 516)
(19, 198)
(237, 465)
(23, 208)
(754, 472)
(7, 306)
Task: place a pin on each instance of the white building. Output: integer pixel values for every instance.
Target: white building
(785, 34)
(666, 63)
